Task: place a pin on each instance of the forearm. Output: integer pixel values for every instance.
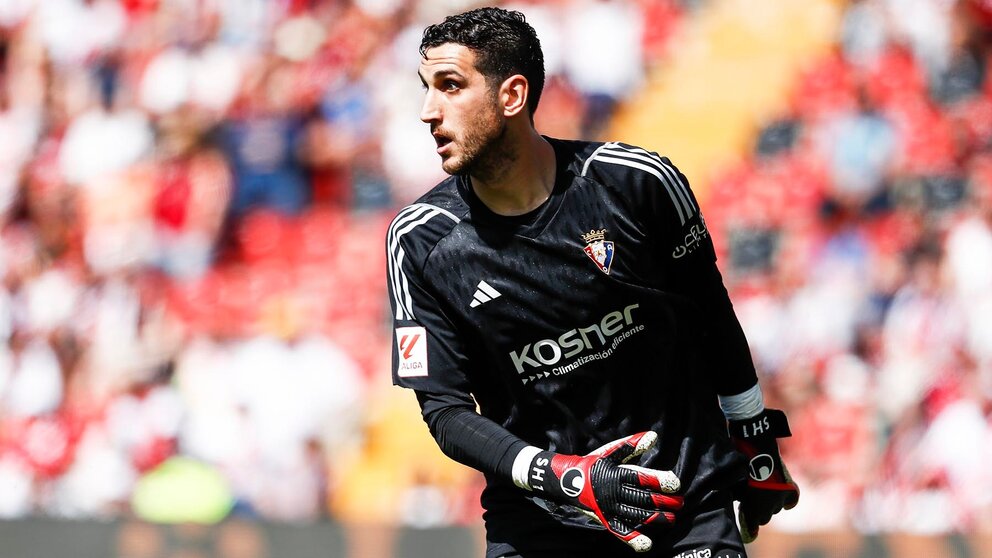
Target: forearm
(474, 440)
(730, 362)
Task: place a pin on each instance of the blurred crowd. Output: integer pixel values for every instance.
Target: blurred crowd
(193, 201)
(857, 242)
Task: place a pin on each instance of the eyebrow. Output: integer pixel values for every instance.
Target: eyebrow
(440, 74)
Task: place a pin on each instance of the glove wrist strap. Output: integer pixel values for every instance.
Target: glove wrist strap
(540, 476)
(769, 424)
(521, 466)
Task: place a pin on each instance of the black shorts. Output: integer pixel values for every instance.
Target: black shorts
(709, 534)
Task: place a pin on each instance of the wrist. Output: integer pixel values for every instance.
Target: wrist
(533, 470)
(522, 464)
(744, 405)
(556, 476)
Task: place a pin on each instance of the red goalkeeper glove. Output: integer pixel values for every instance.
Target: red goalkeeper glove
(622, 497)
(769, 487)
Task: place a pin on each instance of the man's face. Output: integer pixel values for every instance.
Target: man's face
(460, 107)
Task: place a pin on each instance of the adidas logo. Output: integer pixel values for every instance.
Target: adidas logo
(484, 292)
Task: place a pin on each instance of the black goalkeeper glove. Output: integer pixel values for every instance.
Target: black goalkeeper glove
(769, 487)
(622, 497)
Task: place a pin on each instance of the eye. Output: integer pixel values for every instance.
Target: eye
(449, 85)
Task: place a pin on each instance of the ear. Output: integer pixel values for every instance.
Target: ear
(513, 95)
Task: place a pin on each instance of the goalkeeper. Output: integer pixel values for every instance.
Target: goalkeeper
(559, 313)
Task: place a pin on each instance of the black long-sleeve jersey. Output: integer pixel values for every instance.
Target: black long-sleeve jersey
(598, 315)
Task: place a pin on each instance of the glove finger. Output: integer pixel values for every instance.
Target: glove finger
(649, 500)
(625, 449)
(748, 532)
(792, 497)
(760, 510)
(654, 479)
(634, 538)
(633, 515)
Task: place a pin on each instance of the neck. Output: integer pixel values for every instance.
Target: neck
(523, 179)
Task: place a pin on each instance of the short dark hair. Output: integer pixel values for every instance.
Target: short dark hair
(503, 42)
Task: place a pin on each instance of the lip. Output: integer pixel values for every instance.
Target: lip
(443, 144)
(443, 149)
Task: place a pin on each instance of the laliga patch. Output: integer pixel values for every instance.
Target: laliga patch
(599, 250)
(411, 344)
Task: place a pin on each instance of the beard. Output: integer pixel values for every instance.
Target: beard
(485, 152)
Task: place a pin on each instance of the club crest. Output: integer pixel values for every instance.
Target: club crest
(598, 249)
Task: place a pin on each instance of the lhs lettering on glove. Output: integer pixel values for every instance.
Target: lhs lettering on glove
(537, 472)
(760, 426)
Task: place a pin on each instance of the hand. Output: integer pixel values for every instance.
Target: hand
(769, 487)
(622, 497)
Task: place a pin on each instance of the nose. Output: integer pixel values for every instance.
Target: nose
(430, 111)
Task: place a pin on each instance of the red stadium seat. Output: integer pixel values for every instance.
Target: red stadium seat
(895, 79)
(826, 87)
(321, 231)
(264, 235)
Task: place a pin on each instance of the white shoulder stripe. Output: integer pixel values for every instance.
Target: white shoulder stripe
(585, 167)
(651, 163)
(408, 219)
(651, 170)
(673, 181)
(396, 229)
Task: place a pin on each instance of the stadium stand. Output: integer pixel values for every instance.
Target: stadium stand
(193, 199)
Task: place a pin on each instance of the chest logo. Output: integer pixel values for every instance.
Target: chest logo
(484, 292)
(599, 250)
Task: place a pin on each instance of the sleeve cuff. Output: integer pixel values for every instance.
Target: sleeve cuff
(743, 405)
